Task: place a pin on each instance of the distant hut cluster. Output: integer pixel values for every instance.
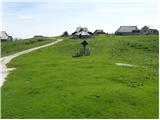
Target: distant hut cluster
(133, 30)
(4, 36)
(82, 32)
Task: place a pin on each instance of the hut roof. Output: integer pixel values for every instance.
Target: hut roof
(99, 31)
(83, 33)
(145, 28)
(4, 35)
(79, 29)
(127, 28)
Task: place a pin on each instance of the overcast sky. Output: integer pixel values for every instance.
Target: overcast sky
(25, 18)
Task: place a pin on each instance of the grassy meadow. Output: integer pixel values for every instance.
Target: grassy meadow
(11, 47)
(50, 83)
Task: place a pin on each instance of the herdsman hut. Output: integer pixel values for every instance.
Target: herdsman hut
(65, 34)
(146, 30)
(82, 32)
(99, 31)
(127, 30)
(4, 36)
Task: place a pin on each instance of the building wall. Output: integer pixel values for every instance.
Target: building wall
(126, 33)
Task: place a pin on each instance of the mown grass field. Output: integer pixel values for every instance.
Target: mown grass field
(50, 83)
(11, 47)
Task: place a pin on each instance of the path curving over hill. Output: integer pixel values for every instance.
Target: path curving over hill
(4, 71)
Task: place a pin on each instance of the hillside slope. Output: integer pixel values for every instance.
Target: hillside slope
(50, 83)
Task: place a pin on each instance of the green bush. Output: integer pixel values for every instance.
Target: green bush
(81, 52)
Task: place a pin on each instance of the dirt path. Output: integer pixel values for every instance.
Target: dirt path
(4, 71)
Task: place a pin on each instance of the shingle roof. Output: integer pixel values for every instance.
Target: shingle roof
(4, 35)
(127, 28)
(99, 31)
(79, 29)
(145, 28)
(83, 33)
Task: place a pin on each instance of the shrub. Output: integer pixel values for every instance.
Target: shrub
(40, 39)
(30, 42)
(81, 52)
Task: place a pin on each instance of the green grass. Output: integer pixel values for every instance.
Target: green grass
(50, 83)
(11, 47)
